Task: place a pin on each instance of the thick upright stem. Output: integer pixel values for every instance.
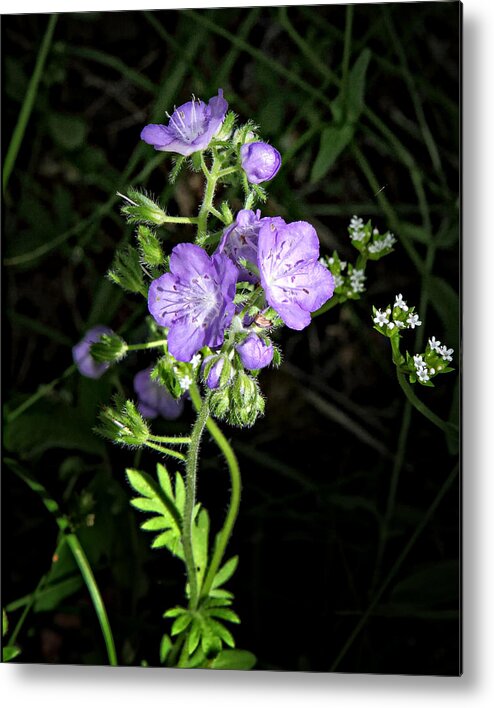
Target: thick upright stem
(211, 179)
(190, 500)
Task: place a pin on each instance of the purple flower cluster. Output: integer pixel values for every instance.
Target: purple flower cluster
(191, 128)
(154, 399)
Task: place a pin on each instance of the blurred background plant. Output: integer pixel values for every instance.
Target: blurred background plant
(349, 530)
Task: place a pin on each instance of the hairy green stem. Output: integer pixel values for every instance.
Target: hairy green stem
(206, 207)
(146, 345)
(234, 470)
(190, 498)
(171, 439)
(165, 451)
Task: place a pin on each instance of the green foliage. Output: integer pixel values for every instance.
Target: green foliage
(142, 209)
(9, 653)
(234, 659)
(149, 246)
(334, 139)
(122, 423)
(126, 271)
(165, 502)
(109, 347)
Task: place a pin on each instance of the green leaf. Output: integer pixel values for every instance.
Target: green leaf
(194, 637)
(225, 572)
(356, 86)
(9, 653)
(200, 538)
(225, 614)
(334, 140)
(221, 631)
(235, 659)
(181, 623)
(5, 623)
(52, 596)
(165, 648)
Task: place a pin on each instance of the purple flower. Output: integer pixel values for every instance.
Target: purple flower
(254, 352)
(295, 283)
(82, 357)
(212, 379)
(154, 398)
(239, 240)
(195, 299)
(260, 161)
(191, 128)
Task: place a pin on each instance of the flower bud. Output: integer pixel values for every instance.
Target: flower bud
(150, 246)
(82, 354)
(260, 161)
(216, 371)
(254, 352)
(109, 348)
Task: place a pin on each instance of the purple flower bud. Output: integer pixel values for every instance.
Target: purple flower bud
(154, 398)
(82, 356)
(260, 161)
(212, 379)
(195, 299)
(191, 128)
(254, 352)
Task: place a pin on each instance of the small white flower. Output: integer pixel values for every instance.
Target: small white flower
(434, 344)
(418, 360)
(399, 324)
(432, 372)
(196, 360)
(413, 321)
(338, 281)
(331, 260)
(185, 382)
(357, 280)
(343, 265)
(400, 302)
(422, 375)
(375, 232)
(389, 240)
(391, 325)
(381, 318)
(357, 232)
(446, 353)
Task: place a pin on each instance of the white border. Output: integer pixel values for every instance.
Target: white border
(77, 687)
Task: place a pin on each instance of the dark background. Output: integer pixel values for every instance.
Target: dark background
(336, 530)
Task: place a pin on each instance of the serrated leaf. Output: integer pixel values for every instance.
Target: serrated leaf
(157, 523)
(139, 481)
(221, 631)
(194, 637)
(200, 539)
(165, 648)
(225, 572)
(235, 659)
(181, 623)
(179, 492)
(164, 539)
(144, 504)
(225, 614)
(175, 612)
(9, 653)
(334, 140)
(164, 480)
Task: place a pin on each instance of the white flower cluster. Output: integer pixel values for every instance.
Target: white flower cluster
(421, 368)
(393, 319)
(356, 229)
(357, 279)
(382, 244)
(443, 351)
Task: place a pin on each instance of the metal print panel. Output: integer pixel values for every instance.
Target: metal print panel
(231, 382)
